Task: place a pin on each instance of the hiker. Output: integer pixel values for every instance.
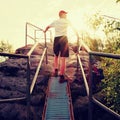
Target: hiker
(60, 45)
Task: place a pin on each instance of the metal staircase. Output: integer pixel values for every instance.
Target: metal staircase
(58, 105)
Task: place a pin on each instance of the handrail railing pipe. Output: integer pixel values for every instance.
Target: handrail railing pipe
(28, 82)
(28, 88)
(35, 29)
(83, 73)
(25, 34)
(46, 47)
(89, 93)
(31, 50)
(106, 108)
(35, 35)
(86, 82)
(17, 56)
(111, 17)
(108, 55)
(90, 89)
(37, 71)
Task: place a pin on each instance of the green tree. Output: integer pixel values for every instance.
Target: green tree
(111, 67)
(117, 1)
(113, 36)
(94, 22)
(111, 83)
(5, 47)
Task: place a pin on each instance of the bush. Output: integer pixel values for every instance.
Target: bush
(111, 83)
(6, 48)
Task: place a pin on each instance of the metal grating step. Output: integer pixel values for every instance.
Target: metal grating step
(58, 107)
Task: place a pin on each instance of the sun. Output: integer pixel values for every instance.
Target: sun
(78, 23)
(76, 20)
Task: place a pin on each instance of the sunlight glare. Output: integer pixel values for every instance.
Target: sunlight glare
(77, 19)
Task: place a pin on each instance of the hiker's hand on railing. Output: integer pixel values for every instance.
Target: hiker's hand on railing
(46, 29)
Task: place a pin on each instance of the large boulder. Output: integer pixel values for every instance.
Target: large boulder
(13, 83)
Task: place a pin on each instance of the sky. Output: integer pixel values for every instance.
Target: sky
(15, 13)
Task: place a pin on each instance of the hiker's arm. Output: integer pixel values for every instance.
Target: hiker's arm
(47, 28)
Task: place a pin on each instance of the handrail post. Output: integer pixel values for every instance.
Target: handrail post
(90, 89)
(46, 47)
(35, 35)
(26, 34)
(51, 37)
(77, 65)
(28, 88)
(78, 45)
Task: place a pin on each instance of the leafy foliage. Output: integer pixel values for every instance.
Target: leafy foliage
(111, 67)
(117, 1)
(6, 48)
(111, 83)
(94, 21)
(113, 36)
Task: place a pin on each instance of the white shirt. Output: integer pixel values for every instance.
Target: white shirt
(60, 26)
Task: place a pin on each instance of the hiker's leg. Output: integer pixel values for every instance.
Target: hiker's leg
(62, 65)
(56, 62)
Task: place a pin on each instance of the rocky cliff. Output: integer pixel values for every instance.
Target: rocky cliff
(13, 73)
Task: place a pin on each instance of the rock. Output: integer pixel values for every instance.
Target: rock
(81, 108)
(13, 73)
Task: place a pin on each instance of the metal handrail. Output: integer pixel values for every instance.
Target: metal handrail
(82, 44)
(21, 56)
(12, 99)
(83, 74)
(34, 38)
(108, 55)
(35, 29)
(29, 87)
(31, 50)
(71, 106)
(106, 108)
(89, 88)
(110, 17)
(17, 56)
(13, 55)
(34, 26)
(37, 71)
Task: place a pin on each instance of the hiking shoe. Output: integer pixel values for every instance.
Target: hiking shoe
(62, 79)
(56, 73)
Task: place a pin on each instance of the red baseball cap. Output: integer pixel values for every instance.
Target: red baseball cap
(62, 12)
